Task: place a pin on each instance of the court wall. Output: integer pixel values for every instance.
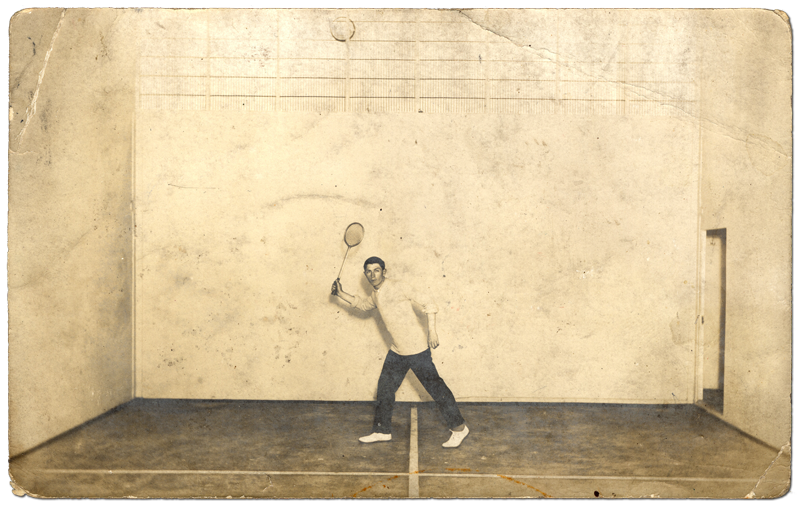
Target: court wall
(561, 252)
(70, 247)
(747, 189)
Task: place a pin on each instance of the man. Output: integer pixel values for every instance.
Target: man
(410, 350)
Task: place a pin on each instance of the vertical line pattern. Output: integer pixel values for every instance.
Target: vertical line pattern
(347, 77)
(133, 250)
(559, 92)
(699, 330)
(134, 298)
(486, 83)
(413, 457)
(277, 60)
(208, 60)
(395, 70)
(139, 348)
(620, 91)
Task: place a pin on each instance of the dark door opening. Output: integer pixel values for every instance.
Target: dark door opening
(714, 320)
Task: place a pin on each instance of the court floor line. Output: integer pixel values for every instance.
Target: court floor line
(594, 477)
(209, 472)
(413, 457)
(415, 474)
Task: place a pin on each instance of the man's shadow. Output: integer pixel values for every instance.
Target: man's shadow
(412, 380)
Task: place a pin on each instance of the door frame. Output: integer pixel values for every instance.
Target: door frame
(722, 233)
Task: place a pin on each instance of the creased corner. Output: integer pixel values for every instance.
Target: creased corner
(776, 479)
(15, 488)
(31, 110)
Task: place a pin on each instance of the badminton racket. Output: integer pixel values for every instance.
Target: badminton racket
(353, 236)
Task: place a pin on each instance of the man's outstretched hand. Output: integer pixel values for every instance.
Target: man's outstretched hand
(337, 286)
(433, 340)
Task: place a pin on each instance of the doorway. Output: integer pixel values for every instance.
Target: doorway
(714, 320)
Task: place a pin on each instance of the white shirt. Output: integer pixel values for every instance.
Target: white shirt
(394, 301)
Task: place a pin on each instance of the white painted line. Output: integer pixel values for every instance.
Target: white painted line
(413, 474)
(413, 457)
(208, 472)
(592, 477)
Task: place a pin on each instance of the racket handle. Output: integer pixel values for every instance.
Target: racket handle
(345, 259)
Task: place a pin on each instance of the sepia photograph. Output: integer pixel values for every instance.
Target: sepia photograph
(400, 253)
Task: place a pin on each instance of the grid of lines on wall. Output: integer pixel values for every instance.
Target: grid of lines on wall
(406, 61)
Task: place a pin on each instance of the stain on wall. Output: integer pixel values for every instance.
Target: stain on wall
(561, 252)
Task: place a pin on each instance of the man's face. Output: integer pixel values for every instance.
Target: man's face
(374, 274)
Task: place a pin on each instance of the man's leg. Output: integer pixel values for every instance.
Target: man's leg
(394, 371)
(425, 370)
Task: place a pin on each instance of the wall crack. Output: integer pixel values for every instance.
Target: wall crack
(31, 110)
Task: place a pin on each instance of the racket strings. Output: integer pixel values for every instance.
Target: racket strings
(354, 235)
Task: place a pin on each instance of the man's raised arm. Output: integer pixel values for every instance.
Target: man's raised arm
(357, 302)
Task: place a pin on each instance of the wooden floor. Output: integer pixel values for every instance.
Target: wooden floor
(187, 448)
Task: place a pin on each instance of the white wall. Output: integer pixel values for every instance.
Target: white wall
(69, 259)
(747, 189)
(561, 250)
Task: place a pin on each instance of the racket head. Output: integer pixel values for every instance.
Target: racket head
(354, 234)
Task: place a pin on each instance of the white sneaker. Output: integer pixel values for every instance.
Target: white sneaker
(456, 438)
(376, 437)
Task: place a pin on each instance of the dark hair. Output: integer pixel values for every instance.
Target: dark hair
(374, 259)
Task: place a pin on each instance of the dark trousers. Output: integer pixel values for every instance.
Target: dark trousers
(394, 371)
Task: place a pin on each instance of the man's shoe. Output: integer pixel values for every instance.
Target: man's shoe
(376, 437)
(456, 438)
